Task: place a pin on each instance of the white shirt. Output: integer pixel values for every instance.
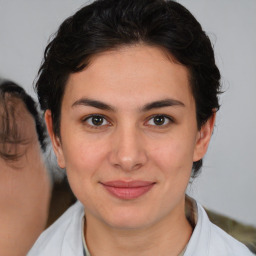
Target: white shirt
(64, 237)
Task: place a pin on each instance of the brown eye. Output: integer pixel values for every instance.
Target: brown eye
(159, 120)
(96, 120)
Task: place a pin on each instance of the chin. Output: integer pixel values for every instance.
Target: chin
(127, 219)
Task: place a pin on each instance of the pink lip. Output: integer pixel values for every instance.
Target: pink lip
(128, 190)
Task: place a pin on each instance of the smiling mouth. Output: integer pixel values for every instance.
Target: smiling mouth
(128, 190)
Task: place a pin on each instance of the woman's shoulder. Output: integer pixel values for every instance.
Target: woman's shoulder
(209, 240)
(63, 237)
(222, 242)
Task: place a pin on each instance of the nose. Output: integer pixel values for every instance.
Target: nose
(128, 152)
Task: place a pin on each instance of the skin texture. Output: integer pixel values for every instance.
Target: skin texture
(24, 189)
(129, 146)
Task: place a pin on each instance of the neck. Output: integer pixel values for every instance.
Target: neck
(166, 237)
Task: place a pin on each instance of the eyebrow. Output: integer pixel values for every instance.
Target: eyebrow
(162, 104)
(93, 103)
(103, 106)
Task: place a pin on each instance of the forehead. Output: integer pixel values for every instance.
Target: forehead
(135, 73)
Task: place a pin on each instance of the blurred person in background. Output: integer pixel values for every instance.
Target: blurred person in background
(24, 181)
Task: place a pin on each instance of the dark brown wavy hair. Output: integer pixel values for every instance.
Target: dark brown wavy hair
(110, 24)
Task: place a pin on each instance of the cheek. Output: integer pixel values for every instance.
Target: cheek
(83, 158)
(174, 156)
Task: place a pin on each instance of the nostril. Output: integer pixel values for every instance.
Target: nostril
(137, 166)
(128, 163)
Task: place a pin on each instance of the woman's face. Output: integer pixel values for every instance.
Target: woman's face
(129, 136)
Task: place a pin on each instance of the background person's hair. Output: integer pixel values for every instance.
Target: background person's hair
(9, 132)
(110, 24)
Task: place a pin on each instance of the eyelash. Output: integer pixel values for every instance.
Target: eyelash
(167, 119)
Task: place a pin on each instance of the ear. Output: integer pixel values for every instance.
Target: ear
(203, 138)
(56, 143)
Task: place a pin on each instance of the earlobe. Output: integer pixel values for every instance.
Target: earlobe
(56, 143)
(203, 138)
